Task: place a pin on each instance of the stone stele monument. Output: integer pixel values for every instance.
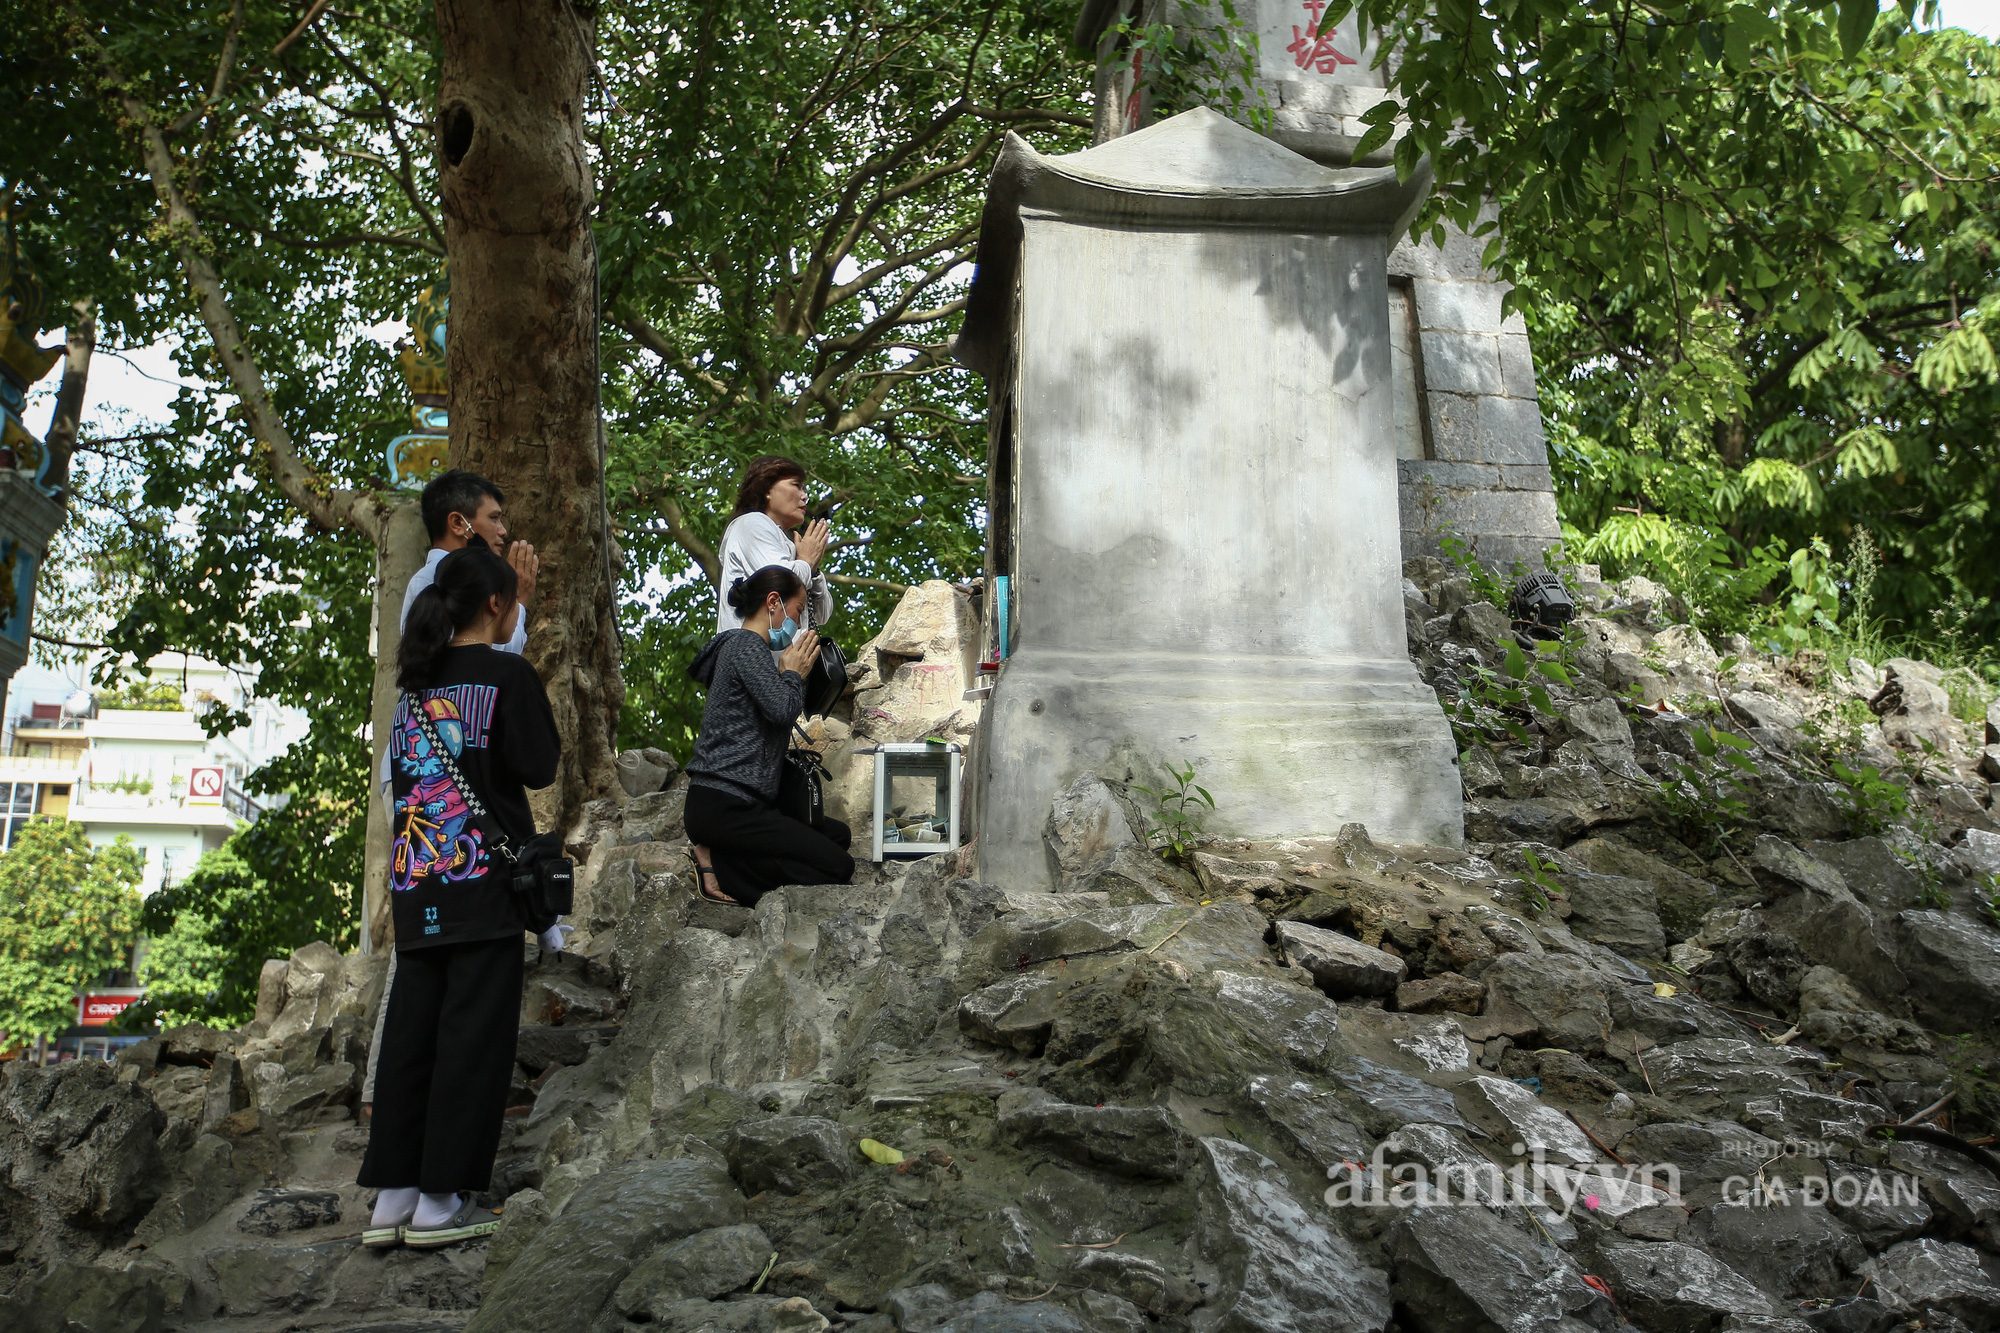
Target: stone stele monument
(1185, 334)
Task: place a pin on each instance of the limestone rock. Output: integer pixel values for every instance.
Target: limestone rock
(704, 1266)
(568, 1273)
(1299, 1018)
(202, 1183)
(1015, 1011)
(1788, 868)
(1714, 1073)
(1464, 1268)
(271, 989)
(1616, 911)
(81, 1147)
(1979, 854)
(1086, 826)
(1880, 1207)
(1485, 626)
(295, 1102)
(1793, 1249)
(1676, 1288)
(1871, 870)
(1281, 1269)
(1145, 1285)
(1914, 710)
(655, 817)
(1342, 966)
(1599, 721)
(1682, 899)
(1766, 710)
(1939, 1276)
(1385, 1099)
(790, 1154)
(1832, 1013)
(523, 1217)
(1300, 1113)
(644, 771)
(277, 1211)
(1560, 997)
(1139, 1141)
(1520, 1116)
(261, 1280)
(1133, 875)
(1954, 968)
(195, 1044)
(102, 1300)
(1447, 992)
(1222, 876)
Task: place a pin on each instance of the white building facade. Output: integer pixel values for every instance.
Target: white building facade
(149, 774)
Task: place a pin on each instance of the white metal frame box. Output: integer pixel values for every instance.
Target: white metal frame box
(917, 760)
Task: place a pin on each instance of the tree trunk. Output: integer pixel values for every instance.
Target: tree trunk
(68, 418)
(522, 355)
(399, 553)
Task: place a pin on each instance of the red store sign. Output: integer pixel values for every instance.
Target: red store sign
(96, 1010)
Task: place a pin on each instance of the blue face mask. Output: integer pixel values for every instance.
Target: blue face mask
(782, 635)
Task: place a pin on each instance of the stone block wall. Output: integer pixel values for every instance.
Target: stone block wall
(1483, 471)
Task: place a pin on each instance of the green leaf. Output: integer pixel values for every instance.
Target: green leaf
(1736, 38)
(1376, 136)
(1857, 19)
(879, 1152)
(1709, 34)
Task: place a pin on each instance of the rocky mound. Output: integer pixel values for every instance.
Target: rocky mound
(1617, 1061)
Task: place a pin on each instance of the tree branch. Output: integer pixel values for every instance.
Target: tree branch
(322, 504)
(312, 17)
(688, 539)
(856, 581)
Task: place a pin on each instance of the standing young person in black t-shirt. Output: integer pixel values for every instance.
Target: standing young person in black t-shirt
(454, 1012)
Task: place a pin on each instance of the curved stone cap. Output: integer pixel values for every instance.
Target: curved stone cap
(1199, 169)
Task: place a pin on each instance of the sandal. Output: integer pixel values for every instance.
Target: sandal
(703, 875)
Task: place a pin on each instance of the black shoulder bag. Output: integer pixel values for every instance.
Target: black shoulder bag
(826, 678)
(538, 871)
(801, 781)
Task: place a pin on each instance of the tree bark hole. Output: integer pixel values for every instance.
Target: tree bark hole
(457, 133)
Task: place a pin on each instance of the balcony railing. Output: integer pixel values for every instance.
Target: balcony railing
(240, 805)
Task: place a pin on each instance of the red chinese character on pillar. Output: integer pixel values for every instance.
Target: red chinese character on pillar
(1313, 49)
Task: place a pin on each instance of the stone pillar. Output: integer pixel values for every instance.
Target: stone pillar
(1186, 335)
(1473, 459)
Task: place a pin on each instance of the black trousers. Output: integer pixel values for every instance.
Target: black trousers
(446, 1062)
(755, 849)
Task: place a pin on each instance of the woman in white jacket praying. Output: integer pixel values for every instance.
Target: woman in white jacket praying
(770, 506)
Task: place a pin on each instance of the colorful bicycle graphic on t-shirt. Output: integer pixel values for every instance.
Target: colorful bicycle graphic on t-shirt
(434, 836)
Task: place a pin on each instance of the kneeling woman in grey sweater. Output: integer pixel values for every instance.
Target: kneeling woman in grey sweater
(743, 846)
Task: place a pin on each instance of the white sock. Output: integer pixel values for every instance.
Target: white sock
(434, 1210)
(393, 1207)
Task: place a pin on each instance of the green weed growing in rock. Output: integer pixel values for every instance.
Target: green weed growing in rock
(1511, 697)
(1540, 878)
(1870, 801)
(1710, 798)
(1813, 601)
(1986, 898)
(1179, 809)
(1486, 585)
